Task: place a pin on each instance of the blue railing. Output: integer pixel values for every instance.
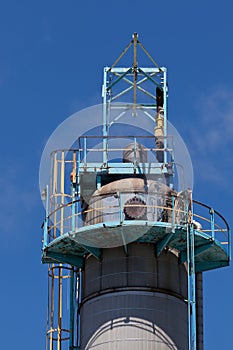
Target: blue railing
(153, 209)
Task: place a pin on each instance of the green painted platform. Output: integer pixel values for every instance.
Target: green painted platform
(72, 247)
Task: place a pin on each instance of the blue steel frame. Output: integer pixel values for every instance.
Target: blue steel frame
(107, 100)
(122, 74)
(191, 274)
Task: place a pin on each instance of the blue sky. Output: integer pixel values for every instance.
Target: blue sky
(52, 56)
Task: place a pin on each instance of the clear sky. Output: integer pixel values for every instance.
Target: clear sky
(51, 61)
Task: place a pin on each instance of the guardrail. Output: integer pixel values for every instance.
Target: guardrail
(141, 149)
(153, 208)
(212, 223)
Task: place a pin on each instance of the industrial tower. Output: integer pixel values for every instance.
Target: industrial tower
(124, 241)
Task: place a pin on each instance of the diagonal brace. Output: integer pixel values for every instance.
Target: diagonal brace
(149, 78)
(198, 250)
(162, 243)
(119, 78)
(71, 259)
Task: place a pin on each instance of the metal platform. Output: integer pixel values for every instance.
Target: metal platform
(72, 247)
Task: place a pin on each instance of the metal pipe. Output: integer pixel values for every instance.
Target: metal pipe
(165, 112)
(79, 297)
(122, 54)
(212, 222)
(54, 191)
(193, 290)
(191, 274)
(62, 190)
(59, 321)
(135, 66)
(51, 306)
(71, 342)
(105, 121)
(199, 310)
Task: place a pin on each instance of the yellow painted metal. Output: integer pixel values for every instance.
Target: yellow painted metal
(54, 191)
(62, 189)
(74, 170)
(58, 326)
(159, 129)
(58, 274)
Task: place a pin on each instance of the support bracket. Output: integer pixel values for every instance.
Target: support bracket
(198, 250)
(71, 259)
(162, 244)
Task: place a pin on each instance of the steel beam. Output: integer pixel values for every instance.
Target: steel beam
(71, 259)
(198, 250)
(191, 288)
(162, 244)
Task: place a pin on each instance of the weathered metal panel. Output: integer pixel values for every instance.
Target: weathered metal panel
(170, 272)
(105, 206)
(134, 320)
(114, 268)
(134, 152)
(140, 268)
(92, 275)
(134, 301)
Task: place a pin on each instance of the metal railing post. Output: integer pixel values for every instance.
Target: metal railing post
(45, 240)
(212, 222)
(173, 214)
(135, 154)
(105, 118)
(85, 151)
(121, 208)
(73, 210)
